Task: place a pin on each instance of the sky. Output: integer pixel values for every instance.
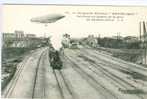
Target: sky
(89, 2)
(20, 20)
(17, 17)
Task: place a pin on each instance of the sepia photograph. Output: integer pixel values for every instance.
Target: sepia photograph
(73, 51)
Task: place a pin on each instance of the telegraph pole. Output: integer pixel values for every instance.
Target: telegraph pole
(144, 42)
(117, 36)
(140, 32)
(99, 38)
(141, 41)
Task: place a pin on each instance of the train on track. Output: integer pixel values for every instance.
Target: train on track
(54, 58)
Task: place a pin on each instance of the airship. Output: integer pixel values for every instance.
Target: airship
(50, 18)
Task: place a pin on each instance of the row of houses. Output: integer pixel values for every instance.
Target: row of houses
(93, 41)
(20, 39)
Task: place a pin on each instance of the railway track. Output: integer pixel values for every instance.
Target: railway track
(7, 93)
(125, 85)
(108, 64)
(39, 91)
(110, 74)
(64, 86)
(106, 93)
(117, 62)
(99, 67)
(121, 61)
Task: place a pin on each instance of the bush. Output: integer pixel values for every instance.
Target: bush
(117, 43)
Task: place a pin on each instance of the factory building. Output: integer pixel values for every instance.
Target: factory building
(19, 34)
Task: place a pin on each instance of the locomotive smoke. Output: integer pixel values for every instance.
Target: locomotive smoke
(56, 41)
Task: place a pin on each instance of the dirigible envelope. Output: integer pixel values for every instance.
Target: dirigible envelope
(51, 18)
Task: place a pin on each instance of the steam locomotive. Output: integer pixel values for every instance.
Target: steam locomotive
(54, 59)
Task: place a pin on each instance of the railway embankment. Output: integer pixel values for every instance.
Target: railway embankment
(131, 55)
(11, 57)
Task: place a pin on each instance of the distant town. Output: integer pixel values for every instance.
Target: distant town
(21, 39)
